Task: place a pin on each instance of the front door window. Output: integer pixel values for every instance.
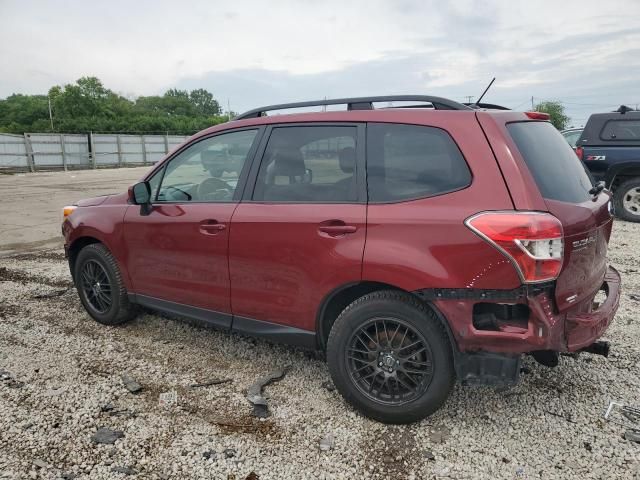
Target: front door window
(207, 171)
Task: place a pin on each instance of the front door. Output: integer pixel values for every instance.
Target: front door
(300, 234)
(177, 252)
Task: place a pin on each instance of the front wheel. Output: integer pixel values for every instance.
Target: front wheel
(626, 199)
(390, 357)
(99, 284)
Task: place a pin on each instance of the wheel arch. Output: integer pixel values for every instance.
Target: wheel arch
(338, 299)
(622, 172)
(75, 247)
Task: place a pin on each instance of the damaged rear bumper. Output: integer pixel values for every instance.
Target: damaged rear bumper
(583, 329)
(524, 320)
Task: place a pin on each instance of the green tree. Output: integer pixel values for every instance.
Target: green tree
(204, 102)
(87, 105)
(18, 113)
(556, 111)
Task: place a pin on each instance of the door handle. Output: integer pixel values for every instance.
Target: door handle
(337, 230)
(211, 227)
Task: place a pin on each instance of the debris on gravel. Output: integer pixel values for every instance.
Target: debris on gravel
(8, 380)
(439, 435)
(254, 392)
(327, 442)
(632, 435)
(124, 470)
(329, 386)
(208, 383)
(41, 463)
(132, 385)
(106, 436)
(55, 293)
(168, 399)
(210, 455)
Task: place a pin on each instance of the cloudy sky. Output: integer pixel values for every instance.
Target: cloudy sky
(248, 52)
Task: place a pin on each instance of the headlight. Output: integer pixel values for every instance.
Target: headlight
(66, 211)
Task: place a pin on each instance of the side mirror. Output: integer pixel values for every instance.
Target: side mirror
(142, 193)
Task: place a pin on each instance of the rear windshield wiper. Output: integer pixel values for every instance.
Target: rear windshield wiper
(597, 188)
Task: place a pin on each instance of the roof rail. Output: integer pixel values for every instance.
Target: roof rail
(359, 103)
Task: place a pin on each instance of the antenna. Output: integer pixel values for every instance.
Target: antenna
(485, 91)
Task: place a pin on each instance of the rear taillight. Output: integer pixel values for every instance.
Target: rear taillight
(579, 152)
(534, 242)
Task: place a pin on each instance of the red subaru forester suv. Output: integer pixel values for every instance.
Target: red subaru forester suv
(414, 245)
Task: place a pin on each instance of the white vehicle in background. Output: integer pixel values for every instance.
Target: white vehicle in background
(571, 135)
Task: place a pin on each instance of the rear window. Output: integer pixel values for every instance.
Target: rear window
(621, 130)
(405, 162)
(558, 172)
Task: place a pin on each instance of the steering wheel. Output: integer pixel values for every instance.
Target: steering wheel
(214, 189)
(185, 195)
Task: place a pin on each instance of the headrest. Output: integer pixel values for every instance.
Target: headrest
(347, 157)
(288, 161)
(212, 158)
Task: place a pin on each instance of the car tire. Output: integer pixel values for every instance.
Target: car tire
(361, 344)
(626, 200)
(100, 287)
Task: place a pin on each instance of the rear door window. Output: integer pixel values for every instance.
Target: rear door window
(556, 169)
(309, 164)
(406, 162)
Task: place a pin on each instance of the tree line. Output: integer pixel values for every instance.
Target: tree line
(87, 105)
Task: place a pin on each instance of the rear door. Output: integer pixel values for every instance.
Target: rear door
(300, 233)
(563, 185)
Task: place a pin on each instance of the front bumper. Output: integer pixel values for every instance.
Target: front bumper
(546, 328)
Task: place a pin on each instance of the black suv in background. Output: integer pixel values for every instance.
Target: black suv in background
(610, 148)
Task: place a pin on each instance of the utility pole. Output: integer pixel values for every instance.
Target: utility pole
(50, 114)
(228, 110)
(469, 98)
(532, 106)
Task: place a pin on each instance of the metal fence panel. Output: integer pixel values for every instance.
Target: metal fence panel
(106, 149)
(131, 150)
(13, 151)
(47, 150)
(155, 148)
(56, 151)
(76, 148)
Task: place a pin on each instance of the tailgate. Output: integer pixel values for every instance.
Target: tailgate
(552, 178)
(587, 228)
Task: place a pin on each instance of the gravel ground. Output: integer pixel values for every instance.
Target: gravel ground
(66, 384)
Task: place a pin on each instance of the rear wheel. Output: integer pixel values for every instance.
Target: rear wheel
(390, 357)
(627, 200)
(100, 287)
